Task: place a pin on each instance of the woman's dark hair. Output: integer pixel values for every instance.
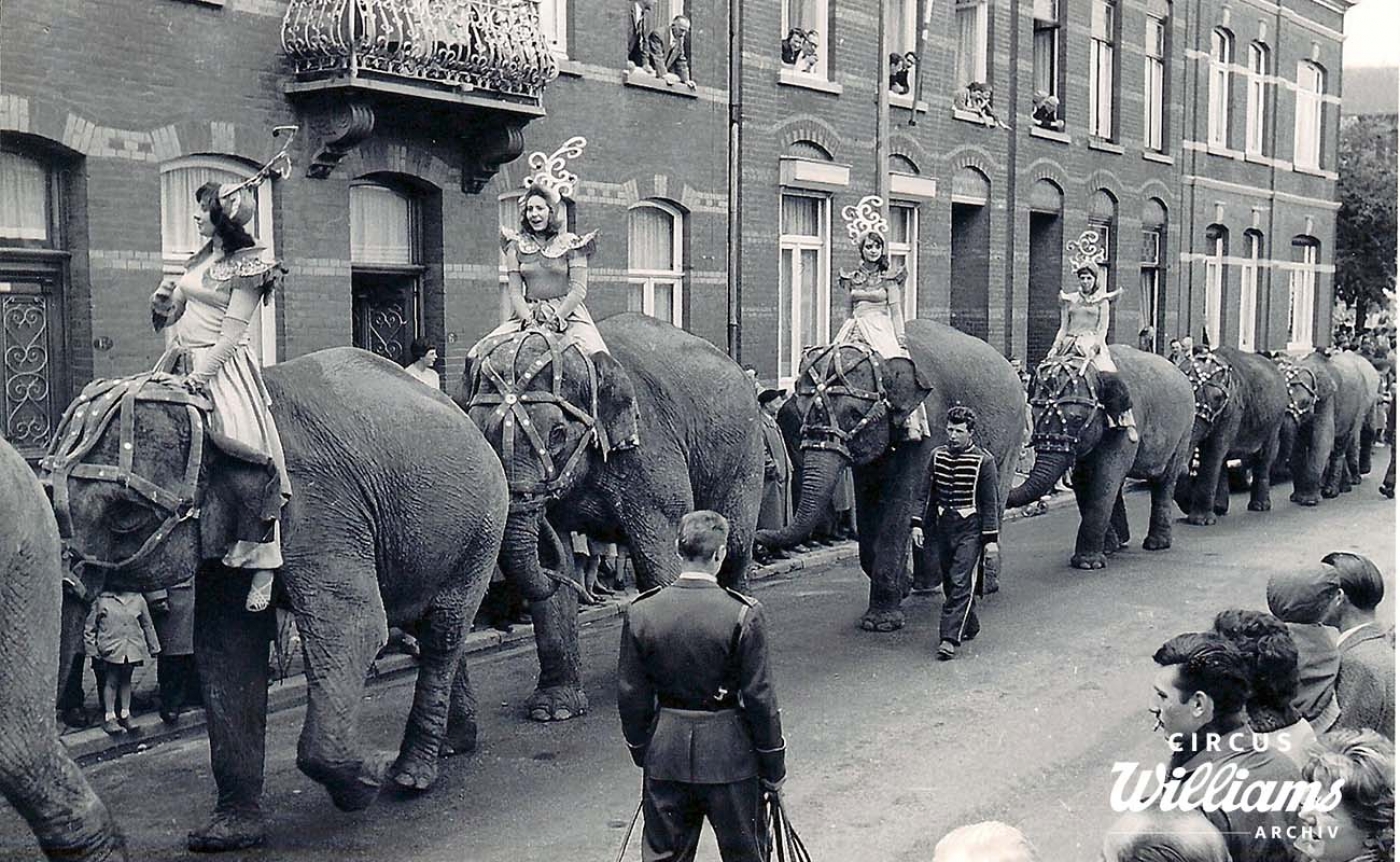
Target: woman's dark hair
(418, 349)
(557, 213)
(230, 233)
(884, 261)
(1364, 761)
(1362, 583)
(1273, 657)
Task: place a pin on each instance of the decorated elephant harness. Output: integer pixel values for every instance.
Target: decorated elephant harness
(1298, 374)
(1206, 371)
(1062, 381)
(825, 371)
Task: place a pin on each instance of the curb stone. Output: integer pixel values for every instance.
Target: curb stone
(93, 745)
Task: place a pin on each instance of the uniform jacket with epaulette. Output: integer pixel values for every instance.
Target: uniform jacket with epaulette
(965, 481)
(693, 688)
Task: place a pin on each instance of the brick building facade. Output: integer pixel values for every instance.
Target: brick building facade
(109, 122)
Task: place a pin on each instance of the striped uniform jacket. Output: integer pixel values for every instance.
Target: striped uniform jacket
(963, 481)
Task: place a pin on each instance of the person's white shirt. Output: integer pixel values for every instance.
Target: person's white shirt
(425, 375)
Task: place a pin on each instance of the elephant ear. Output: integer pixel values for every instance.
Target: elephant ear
(904, 387)
(241, 489)
(617, 403)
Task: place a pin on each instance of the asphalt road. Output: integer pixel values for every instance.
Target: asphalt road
(888, 749)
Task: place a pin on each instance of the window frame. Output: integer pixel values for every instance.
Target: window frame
(1103, 61)
(1154, 85)
(1222, 58)
(822, 12)
(1055, 29)
(1152, 276)
(173, 260)
(796, 243)
(981, 66)
(1307, 127)
(647, 279)
(1256, 99)
(557, 31)
(910, 252)
(1302, 294)
(1216, 276)
(1250, 270)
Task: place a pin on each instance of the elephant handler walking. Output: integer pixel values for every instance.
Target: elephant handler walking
(698, 710)
(959, 497)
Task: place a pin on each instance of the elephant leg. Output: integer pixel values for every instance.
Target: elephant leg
(1261, 475)
(1310, 456)
(47, 788)
(1095, 495)
(1363, 460)
(883, 507)
(1207, 482)
(1334, 477)
(231, 647)
(446, 623)
(341, 618)
(1159, 527)
(1222, 493)
(1353, 471)
(559, 694)
(1118, 532)
(740, 508)
(461, 712)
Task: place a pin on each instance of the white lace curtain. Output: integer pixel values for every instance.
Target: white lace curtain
(801, 216)
(650, 240)
(381, 226)
(23, 198)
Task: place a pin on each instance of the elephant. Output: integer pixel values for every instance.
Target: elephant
(396, 517)
(1330, 400)
(1071, 429)
(700, 447)
(851, 403)
(1241, 399)
(37, 775)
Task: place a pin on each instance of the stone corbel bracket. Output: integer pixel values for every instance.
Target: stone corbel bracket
(485, 148)
(337, 128)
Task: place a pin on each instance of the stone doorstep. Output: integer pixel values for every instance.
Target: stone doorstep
(93, 745)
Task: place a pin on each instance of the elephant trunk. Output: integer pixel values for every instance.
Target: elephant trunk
(520, 556)
(1049, 466)
(820, 472)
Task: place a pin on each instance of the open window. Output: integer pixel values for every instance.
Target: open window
(655, 244)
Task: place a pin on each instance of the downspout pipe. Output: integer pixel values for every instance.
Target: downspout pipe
(735, 242)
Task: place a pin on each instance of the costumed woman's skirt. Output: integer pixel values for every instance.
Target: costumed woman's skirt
(872, 326)
(242, 413)
(581, 331)
(1088, 345)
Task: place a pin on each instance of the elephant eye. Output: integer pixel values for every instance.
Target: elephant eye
(127, 517)
(557, 438)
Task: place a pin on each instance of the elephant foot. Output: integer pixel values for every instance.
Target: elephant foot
(357, 792)
(1156, 543)
(229, 830)
(1304, 499)
(882, 621)
(414, 770)
(1201, 519)
(1260, 505)
(1330, 493)
(1088, 561)
(460, 737)
(557, 703)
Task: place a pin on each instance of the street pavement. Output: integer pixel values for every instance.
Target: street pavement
(888, 749)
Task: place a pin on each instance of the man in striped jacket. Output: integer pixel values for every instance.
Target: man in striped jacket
(958, 499)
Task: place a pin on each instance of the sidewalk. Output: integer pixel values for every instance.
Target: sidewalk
(92, 744)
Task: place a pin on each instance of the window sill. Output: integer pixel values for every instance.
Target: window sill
(648, 81)
(1160, 158)
(971, 117)
(1105, 146)
(1224, 152)
(1312, 172)
(1049, 135)
(569, 68)
(794, 78)
(907, 102)
(1259, 159)
(215, 3)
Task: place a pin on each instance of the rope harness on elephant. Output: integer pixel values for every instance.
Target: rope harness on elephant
(87, 419)
(1298, 374)
(824, 368)
(1206, 371)
(511, 413)
(1061, 381)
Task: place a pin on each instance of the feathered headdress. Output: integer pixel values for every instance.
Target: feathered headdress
(237, 198)
(1086, 252)
(864, 217)
(547, 171)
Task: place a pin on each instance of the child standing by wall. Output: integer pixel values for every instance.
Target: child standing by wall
(120, 633)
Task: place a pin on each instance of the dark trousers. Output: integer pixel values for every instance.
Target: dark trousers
(178, 680)
(959, 544)
(1389, 482)
(674, 811)
(73, 696)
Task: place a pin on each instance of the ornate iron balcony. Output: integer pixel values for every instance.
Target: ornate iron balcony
(464, 45)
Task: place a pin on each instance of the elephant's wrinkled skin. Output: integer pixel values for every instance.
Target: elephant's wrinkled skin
(1329, 410)
(1102, 457)
(36, 774)
(701, 448)
(396, 517)
(1245, 426)
(959, 368)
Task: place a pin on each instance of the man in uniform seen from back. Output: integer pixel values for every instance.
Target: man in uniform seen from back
(698, 709)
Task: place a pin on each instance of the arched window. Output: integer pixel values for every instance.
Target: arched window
(385, 268)
(1257, 101)
(1103, 218)
(1222, 56)
(1153, 267)
(1307, 130)
(809, 150)
(179, 237)
(1302, 293)
(1217, 248)
(655, 244)
(804, 277)
(1250, 273)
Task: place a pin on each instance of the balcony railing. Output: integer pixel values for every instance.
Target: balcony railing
(491, 45)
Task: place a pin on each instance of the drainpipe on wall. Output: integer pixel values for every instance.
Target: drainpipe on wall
(735, 242)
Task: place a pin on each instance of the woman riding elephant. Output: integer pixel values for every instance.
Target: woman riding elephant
(1084, 318)
(876, 289)
(208, 310)
(547, 278)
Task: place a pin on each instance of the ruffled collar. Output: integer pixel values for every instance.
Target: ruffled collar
(556, 246)
(862, 275)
